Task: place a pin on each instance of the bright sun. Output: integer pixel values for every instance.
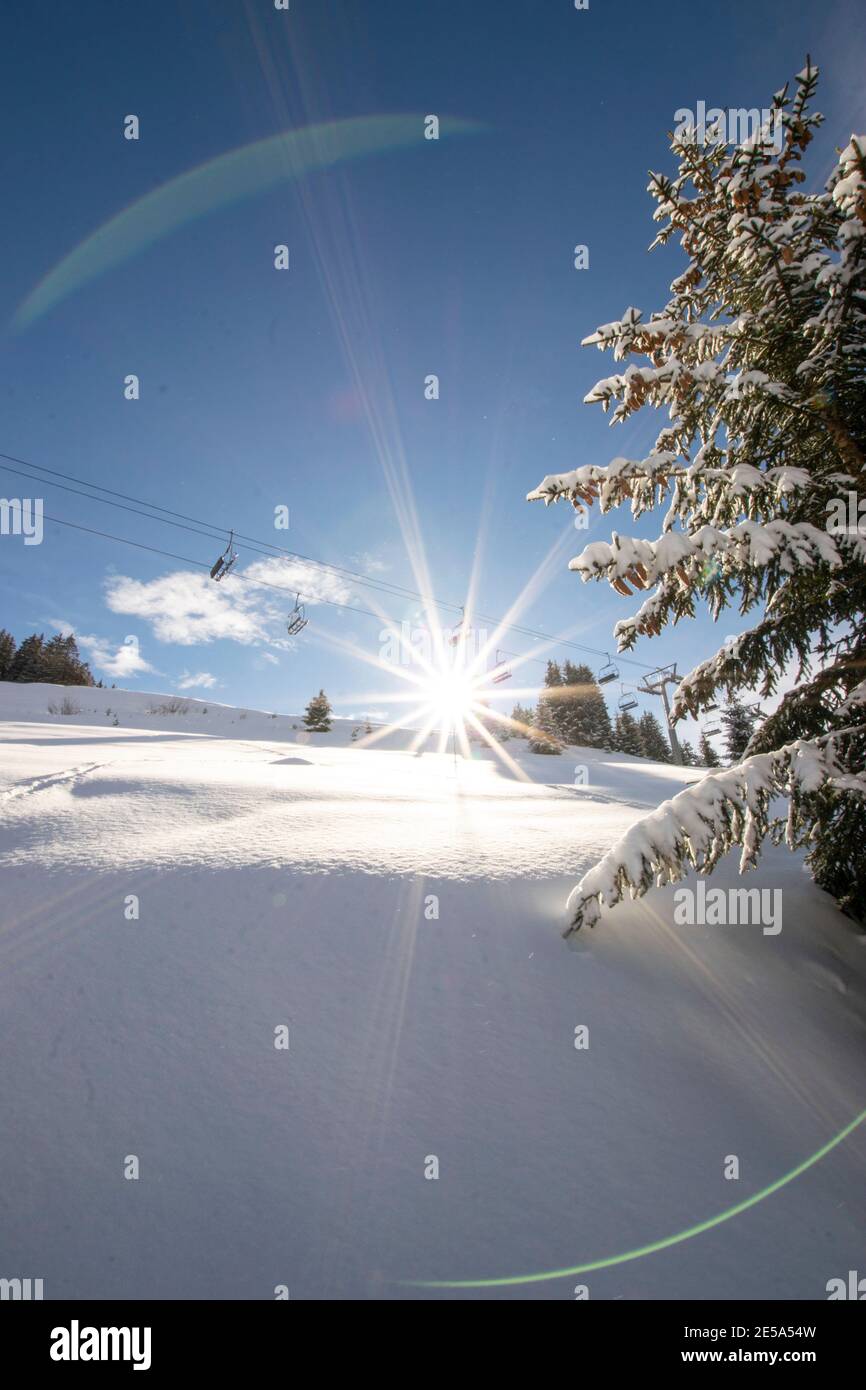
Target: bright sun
(451, 693)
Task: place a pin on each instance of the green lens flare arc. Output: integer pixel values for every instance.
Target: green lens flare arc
(226, 179)
(655, 1246)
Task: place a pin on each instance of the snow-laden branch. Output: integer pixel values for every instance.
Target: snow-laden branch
(700, 824)
(792, 547)
(638, 479)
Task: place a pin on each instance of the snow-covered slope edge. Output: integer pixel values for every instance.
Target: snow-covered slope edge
(38, 702)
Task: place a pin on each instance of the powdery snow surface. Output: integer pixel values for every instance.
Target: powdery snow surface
(283, 879)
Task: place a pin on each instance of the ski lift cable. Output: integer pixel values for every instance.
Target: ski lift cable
(243, 579)
(534, 633)
(239, 578)
(394, 590)
(383, 587)
(202, 564)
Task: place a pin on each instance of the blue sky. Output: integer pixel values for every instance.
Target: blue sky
(305, 388)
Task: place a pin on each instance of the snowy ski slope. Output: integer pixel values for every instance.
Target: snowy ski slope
(293, 879)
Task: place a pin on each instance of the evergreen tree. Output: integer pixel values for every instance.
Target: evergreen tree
(585, 720)
(708, 755)
(739, 727)
(540, 741)
(62, 664)
(28, 663)
(317, 716)
(523, 721)
(553, 698)
(546, 735)
(7, 653)
(56, 661)
(655, 745)
(758, 362)
(689, 756)
(627, 735)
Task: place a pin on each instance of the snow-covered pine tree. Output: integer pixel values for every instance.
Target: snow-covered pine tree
(653, 741)
(739, 726)
(317, 715)
(708, 755)
(555, 696)
(689, 756)
(545, 736)
(627, 736)
(7, 653)
(585, 718)
(759, 359)
(540, 741)
(523, 717)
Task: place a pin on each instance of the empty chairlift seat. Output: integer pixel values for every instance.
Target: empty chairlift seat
(221, 567)
(297, 619)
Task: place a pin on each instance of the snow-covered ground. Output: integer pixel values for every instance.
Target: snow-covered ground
(287, 879)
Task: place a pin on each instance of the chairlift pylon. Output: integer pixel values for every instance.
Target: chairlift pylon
(225, 562)
(297, 620)
(609, 672)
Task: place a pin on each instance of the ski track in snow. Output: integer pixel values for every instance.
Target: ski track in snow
(53, 779)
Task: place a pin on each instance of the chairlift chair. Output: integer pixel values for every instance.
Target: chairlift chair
(503, 670)
(461, 631)
(297, 619)
(608, 673)
(627, 701)
(711, 729)
(225, 562)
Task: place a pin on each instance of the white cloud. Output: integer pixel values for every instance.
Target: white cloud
(202, 681)
(189, 608)
(370, 564)
(124, 660)
(315, 585)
